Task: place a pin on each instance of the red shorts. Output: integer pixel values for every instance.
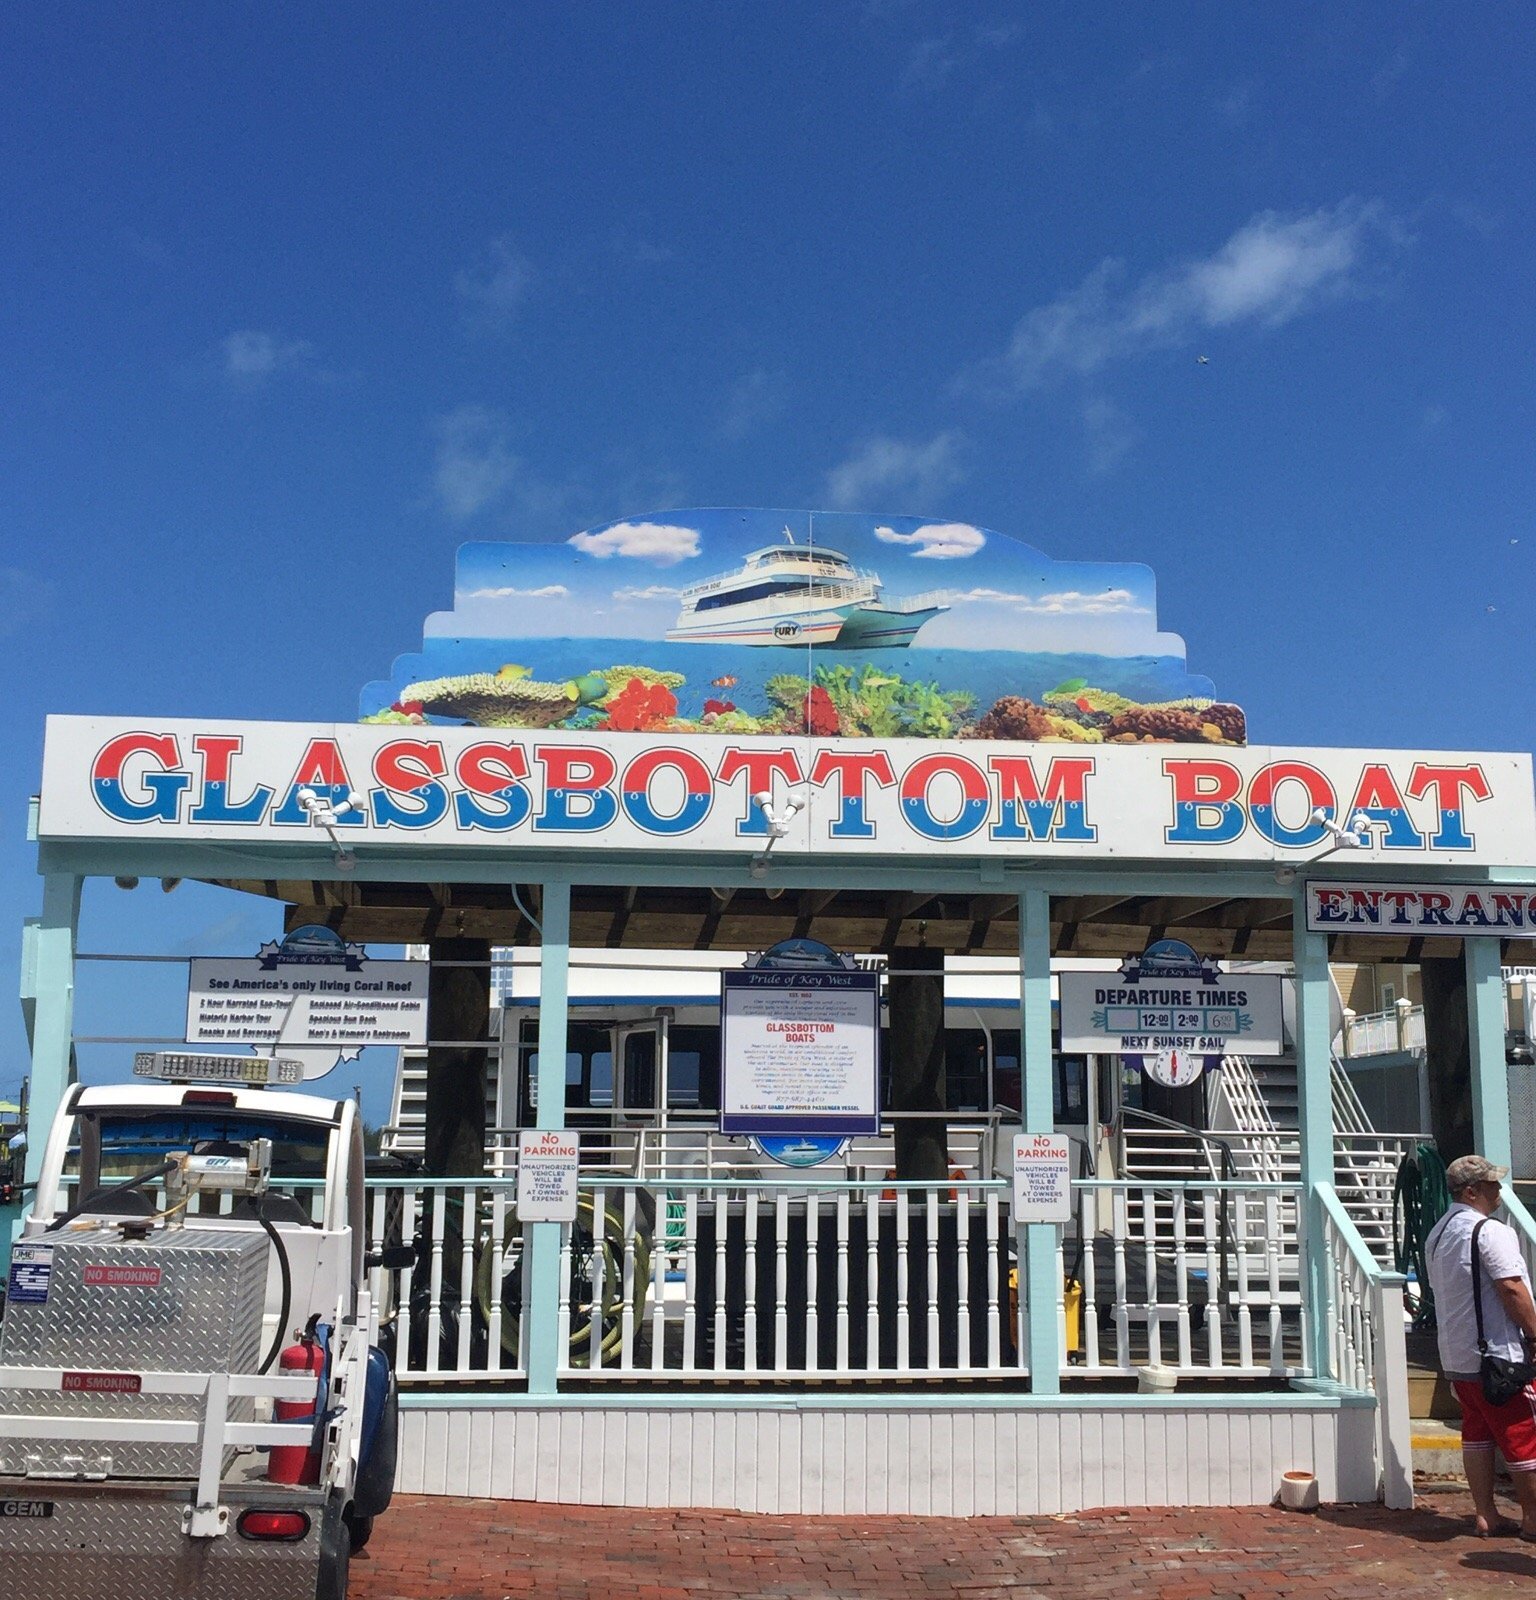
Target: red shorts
(1511, 1426)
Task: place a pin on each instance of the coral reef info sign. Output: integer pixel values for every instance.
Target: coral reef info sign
(799, 1052)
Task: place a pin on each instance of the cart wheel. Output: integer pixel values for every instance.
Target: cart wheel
(361, 1530)
(335, 1552)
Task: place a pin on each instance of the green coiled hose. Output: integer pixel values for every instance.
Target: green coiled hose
(1419, 1199)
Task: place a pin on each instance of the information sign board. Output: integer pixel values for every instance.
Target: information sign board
(1169, 999)
(1042, 1178)
(547, 1162)
(799, 1052)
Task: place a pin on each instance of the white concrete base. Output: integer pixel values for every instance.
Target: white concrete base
(805, 1456)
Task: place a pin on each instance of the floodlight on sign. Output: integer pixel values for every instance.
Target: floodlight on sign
(180, 1066)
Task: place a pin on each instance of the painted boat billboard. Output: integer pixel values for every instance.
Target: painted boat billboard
(833, 624)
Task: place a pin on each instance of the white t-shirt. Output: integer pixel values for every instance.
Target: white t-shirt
(1448, 1253)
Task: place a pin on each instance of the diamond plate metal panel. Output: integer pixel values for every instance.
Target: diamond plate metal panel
(182, 1300)
(117, 1545)
(1522, 1119)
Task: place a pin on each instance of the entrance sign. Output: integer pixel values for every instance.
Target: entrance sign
(547, 1163)
(1168, 998)
(434, 785)
(1448, 910)
(799, 1052)
(1042, 1178)
(313, 992)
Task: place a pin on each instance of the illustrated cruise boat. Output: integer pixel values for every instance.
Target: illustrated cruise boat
(789, 594)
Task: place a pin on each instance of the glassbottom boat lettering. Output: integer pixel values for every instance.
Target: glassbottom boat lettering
(497, 786)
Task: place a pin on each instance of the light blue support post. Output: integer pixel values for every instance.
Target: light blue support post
(49, 975)
(1037, 1240)
(1490, 1076)
(543, 1238)
(1314, 1083)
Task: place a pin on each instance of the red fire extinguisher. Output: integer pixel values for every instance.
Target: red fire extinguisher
(296, 1463)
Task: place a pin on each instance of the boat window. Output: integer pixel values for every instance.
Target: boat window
(965, 1069)
(754, 591)
(588, 1066)
(1069, 1092)
(693, 1068)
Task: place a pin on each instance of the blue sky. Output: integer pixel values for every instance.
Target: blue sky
(298, 299)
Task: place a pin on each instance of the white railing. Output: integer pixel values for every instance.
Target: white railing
(1375, 1033)
(1365, 1168)
(689, 1145)
(790, 1278)
(458, 1311)
(1521, 1220)
(1198, 1276)
(1366, 1345)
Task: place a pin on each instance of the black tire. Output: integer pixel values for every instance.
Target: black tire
(335, 1552)
(361, 1529)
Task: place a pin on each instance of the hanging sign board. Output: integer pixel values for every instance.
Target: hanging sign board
(1447, 910)
(312, 992)
(547, 1161)
(1168, 998)
(1042, 1178)
(799, 1051)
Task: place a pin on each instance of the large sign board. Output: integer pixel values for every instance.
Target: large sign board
(1167, 999)
(654, 792)
(799, 1052)
(312, 994)
(1441, 910)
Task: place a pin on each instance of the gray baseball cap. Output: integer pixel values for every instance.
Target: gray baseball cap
(1464, 1171)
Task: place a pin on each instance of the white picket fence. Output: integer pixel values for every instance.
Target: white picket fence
(799, 1279)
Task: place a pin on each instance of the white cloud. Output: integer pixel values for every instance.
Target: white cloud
(943, 541)
(884, 466)
(653, 591)
(755, 399)
(1274, 268)
(252, 354)
(494, 286)
(549, 591)
(1074, 603)
(1110, 433)
(475, 465)
(1062, 603)
(991, 596)
(660, 543)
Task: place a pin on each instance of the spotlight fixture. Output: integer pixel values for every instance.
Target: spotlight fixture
(778, 825)
(327, 816)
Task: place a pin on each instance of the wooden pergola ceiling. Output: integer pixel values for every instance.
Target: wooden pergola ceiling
(640, 917)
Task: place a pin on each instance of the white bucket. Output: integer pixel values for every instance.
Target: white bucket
(1298, 1491)
(1156, 1380)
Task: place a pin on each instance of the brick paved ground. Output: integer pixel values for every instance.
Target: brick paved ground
(435, 1549)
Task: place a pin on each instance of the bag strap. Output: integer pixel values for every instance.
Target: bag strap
(1477, 1288)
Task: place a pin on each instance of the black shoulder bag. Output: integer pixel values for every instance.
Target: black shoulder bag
(1501, 1379)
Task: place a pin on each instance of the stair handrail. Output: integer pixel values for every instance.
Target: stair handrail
(1256, 1122)
(1366, 1336)
(1226, 1177)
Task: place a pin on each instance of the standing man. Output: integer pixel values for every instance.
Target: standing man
(1509, 1323)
